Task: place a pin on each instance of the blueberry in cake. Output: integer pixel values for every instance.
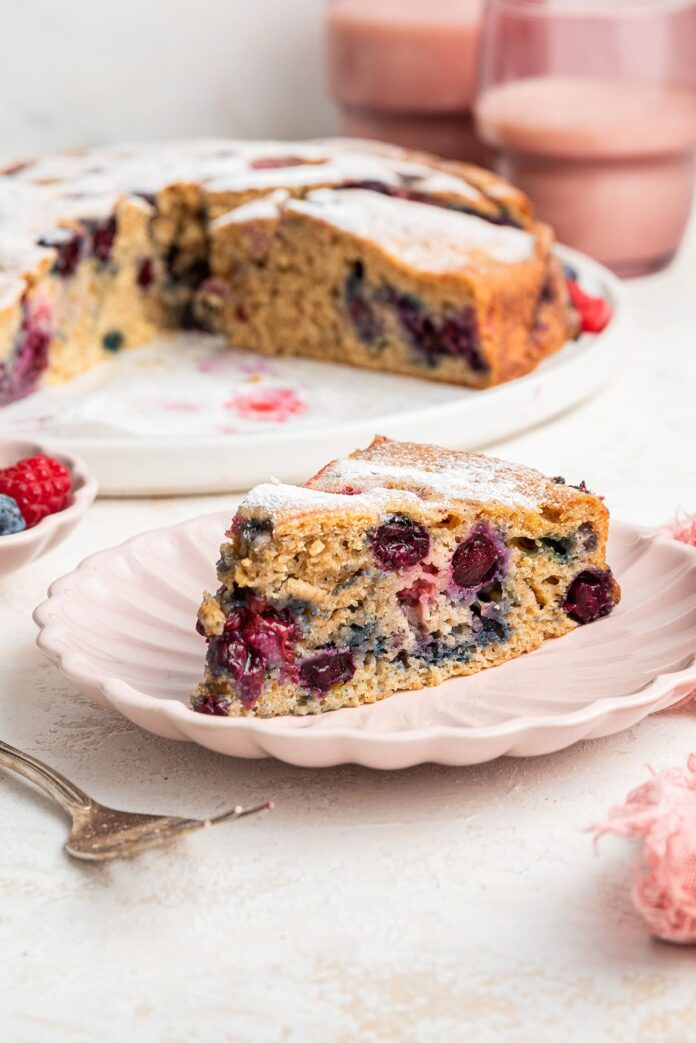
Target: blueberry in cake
(394, 569)
(340, 250)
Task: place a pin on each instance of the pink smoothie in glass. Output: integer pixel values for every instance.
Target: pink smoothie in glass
(404, 70)
(608, 162)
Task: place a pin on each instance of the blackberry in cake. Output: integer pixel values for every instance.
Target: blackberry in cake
(420, 266)
(395, 569)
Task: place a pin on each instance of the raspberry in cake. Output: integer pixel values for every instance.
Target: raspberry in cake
(396, 260)
(395, 569)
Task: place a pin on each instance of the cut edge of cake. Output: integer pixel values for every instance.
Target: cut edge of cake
(358, 277)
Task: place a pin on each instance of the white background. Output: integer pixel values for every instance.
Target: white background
(83, 72)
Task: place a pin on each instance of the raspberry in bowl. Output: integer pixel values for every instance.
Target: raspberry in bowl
(43, 495)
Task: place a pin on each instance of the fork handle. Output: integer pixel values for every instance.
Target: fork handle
(50, 781)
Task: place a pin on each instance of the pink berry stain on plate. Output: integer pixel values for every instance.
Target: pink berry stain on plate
(216, 362)
(274, 404)
(174, 406)
(221, 360)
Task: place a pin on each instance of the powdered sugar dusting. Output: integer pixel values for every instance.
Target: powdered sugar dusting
(277, 500)
(87, 183)
(477, 478)
(391, 474)
(11, 289)
(263, 209)
(440, 474)
(426, 237)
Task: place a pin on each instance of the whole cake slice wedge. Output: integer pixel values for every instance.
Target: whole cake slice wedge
(361, 277)
(394, 569)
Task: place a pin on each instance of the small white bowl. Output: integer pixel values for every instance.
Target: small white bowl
(20, 548)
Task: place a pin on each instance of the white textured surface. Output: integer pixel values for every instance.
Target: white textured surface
(427, 905)
(193, 386)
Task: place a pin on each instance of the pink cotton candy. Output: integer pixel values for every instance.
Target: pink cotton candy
(682, 528)
(662, 813)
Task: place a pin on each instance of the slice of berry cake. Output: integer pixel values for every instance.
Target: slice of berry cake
(394, 569)
(362, 277)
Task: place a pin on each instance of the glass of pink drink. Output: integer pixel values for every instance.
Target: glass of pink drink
(590, 107)
(405, 70)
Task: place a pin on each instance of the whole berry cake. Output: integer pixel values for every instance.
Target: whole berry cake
(396, 568)
(342, 250)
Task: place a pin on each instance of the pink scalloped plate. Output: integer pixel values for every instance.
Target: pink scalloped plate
(121, 627)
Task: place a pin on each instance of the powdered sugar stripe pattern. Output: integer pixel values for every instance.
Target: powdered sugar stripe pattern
(423, 236)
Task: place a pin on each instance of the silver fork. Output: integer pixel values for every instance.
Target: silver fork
(99, 833)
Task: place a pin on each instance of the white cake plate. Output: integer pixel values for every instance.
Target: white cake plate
(186, 414)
